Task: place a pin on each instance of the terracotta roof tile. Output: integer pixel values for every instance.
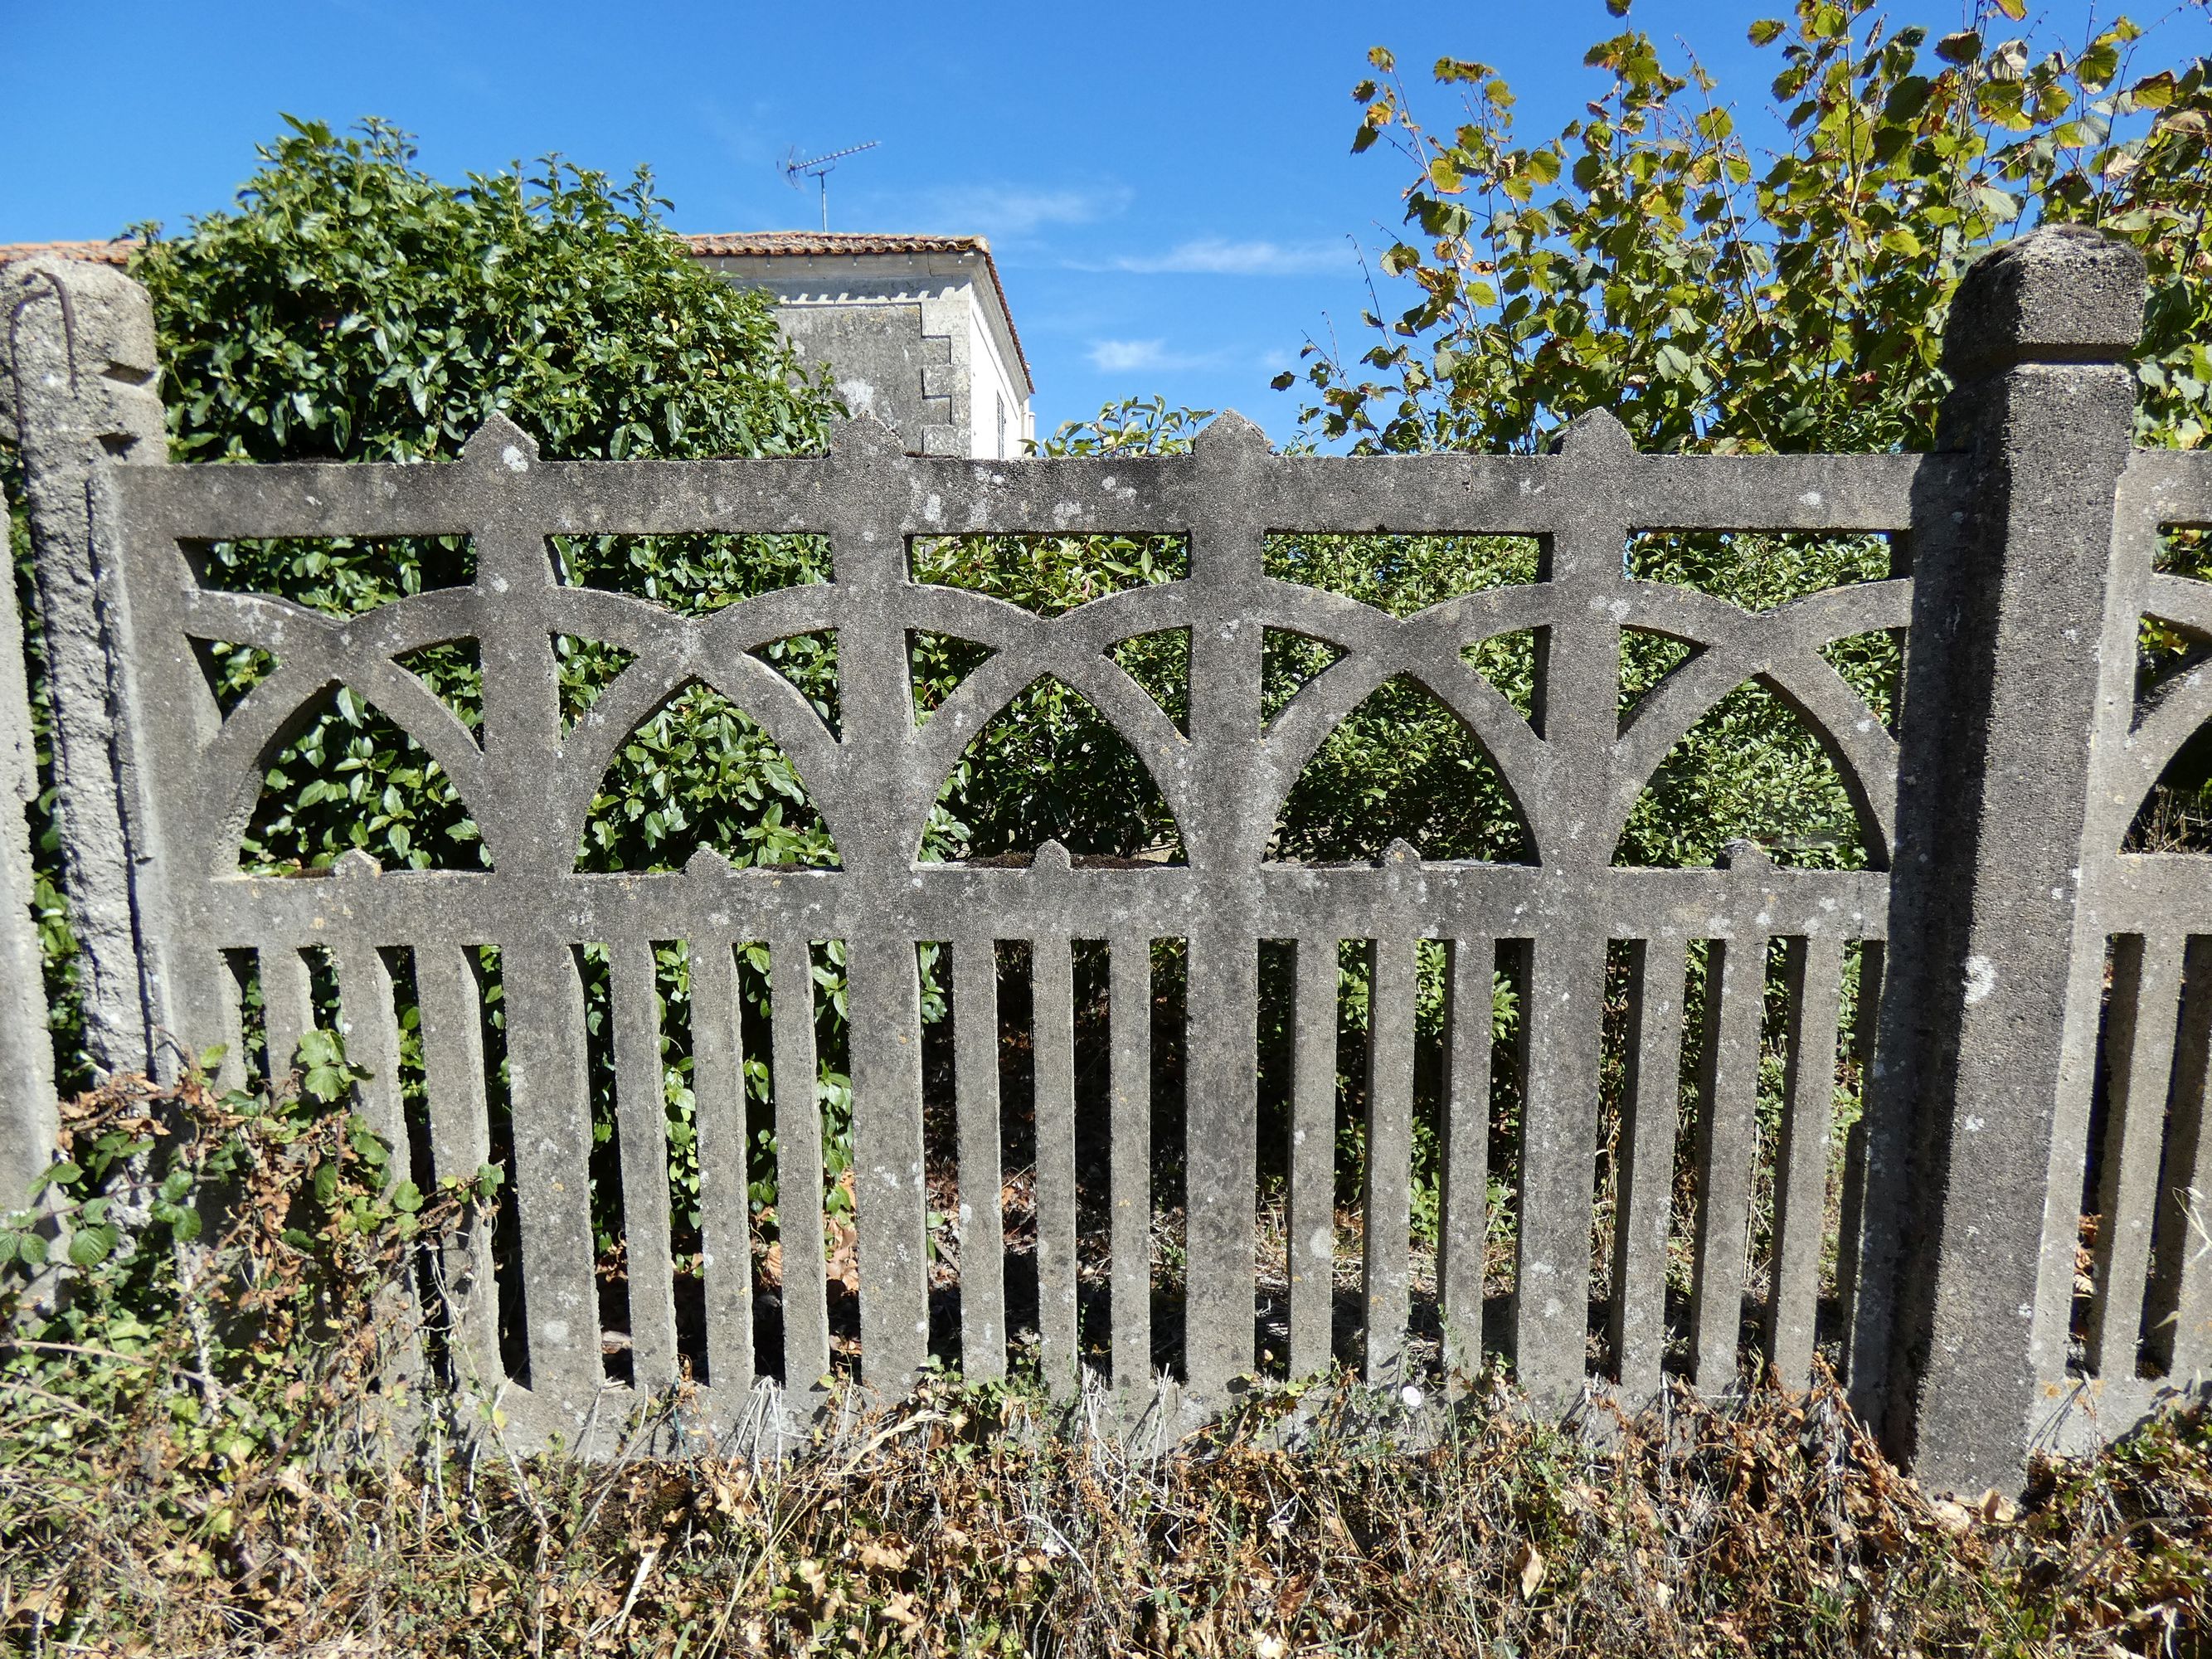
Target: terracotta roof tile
(106, 253)
(771, 242)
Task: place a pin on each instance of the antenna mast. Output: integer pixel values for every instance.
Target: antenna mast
(819, 168)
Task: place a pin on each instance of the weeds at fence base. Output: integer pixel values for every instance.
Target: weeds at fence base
(145, 1509)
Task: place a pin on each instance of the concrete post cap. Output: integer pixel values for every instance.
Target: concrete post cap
(2064, 293)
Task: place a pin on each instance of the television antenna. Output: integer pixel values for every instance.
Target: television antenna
(819, 168)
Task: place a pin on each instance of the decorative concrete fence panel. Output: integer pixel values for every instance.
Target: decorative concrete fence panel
(1993, 818)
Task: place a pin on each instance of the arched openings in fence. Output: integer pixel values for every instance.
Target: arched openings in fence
(2129, 1300)
(1244, 1014)
(1259, 1105)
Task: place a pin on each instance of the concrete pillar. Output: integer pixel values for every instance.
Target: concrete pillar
(84, 388)
(27, 1120)
(2012, 556)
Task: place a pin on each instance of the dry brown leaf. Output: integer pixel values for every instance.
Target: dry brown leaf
(1528, 1562)
(1952, 1516)
(886, 1558)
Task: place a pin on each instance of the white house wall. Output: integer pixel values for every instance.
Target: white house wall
(911, 339)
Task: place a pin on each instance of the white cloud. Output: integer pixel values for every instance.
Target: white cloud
(1126, 356)
(1134, 356)
(1214, 256)
(1018, 211)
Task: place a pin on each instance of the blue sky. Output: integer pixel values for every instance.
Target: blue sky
(1168, 189)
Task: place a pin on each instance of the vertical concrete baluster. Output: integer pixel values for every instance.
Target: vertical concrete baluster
(1393, 983)
(798, 1167)
(1463, 1217)
(982, 1218)
(1644, 1202)
(1813, 969)
(1311, 1219)
(641, 1137)
(1220, 1160)
(1129, 1066)
(2180, 1309)
(368, 1022)
(1558, 1154)
(287, 1008)
(1727, 1140)
(1053, 1036)
(2139, 1061)
(718, 1085)
(1853, 1250)
(229, 989)
(544, 995)
(451, 999)
(884, 993)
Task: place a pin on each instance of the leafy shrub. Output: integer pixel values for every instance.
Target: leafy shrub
(233, 1257)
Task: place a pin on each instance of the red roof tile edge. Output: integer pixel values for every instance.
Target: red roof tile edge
(714, 245)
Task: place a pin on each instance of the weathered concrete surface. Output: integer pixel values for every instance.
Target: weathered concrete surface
(1574, 771)
(2014, 623)
(28, 1119)
(2014, 618)
(82, 378)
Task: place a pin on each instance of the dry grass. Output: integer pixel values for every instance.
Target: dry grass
(962, 1522)
(163, 1493)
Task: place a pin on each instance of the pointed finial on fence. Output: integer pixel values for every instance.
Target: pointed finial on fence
(1229, 436)
(863, 437)
(1595, 435)
(499, 443)
(1399, 854)
(1050, 859)
(1742, 854)
(706, 865)
(354, 864)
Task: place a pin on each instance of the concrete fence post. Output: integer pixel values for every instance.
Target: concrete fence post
(83, 387)
(2012, 557)
(28, 1119)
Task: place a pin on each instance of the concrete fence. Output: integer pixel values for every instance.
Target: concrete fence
(1997, 905)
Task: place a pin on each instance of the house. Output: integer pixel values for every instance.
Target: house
(915, 330)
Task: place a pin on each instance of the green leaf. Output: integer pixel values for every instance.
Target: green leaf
(1963, 47)
(1765, 31)
(2154, 91)
(90, 1246)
